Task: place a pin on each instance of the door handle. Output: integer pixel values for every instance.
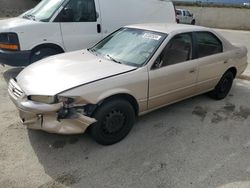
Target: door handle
(192, 71)
(99, 29)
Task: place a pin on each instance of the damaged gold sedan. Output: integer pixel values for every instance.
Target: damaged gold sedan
(131, 72)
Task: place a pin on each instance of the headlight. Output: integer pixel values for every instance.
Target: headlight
(43, 99)
(9, 41)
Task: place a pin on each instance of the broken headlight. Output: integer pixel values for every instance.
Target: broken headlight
(65, 100)
(43, 99)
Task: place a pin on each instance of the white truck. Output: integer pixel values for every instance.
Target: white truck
(183, 16)
(57, 26)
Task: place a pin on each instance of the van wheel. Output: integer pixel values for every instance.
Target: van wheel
(193, 22)
(43, 53)
(223, 87)
(115, 119)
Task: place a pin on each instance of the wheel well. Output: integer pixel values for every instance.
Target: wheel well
(127, 97)
(233, 70)
(48, 45)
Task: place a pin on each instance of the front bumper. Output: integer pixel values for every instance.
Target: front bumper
(44, 117)
(15, 58)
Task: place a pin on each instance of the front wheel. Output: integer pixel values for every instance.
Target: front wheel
(115, 118)
(223, 87)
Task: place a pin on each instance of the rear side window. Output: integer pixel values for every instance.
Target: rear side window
(207, 44)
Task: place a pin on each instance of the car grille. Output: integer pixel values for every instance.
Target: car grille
(3, 38)
(15, 89)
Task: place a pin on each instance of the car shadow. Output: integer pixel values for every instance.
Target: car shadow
(11, 73)
(72, 160)
(179, 136)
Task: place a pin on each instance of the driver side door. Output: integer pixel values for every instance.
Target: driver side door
(174, 74)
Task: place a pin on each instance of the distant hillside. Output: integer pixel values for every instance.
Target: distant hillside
(232, 2)
(213, 3)
(237, 2)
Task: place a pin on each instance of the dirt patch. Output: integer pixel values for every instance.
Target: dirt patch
(229, 112)
(200, 111)
(243, 113)
(171, 132)
(67, 179)
(62, 143)
(216, 118)
(229, 107)
(59, 144)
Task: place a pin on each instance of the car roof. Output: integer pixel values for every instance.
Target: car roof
(169, 28)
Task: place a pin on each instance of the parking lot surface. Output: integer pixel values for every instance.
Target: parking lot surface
(195, 143)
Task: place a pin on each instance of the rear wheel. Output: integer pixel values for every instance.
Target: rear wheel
(223, 87)
(115, 119)
(193, 22)
(43, 53)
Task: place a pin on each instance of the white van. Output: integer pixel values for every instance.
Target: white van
(57, 26)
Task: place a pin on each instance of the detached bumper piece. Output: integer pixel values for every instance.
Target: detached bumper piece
(44, 117)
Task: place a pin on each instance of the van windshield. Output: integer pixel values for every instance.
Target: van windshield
(129, 46)
(44, 10)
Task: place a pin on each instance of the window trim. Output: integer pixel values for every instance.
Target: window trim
(196, 44)
(58, 16)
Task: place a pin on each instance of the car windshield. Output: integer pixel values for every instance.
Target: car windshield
(44, 10)
(129, 46)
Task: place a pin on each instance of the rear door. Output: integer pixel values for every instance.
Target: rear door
(212, 62)
(83, 29)
(174, 74)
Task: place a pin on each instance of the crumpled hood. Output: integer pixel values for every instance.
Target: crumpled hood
(8, 25)
(56, 74)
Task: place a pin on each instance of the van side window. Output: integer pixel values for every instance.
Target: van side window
(82, 10)
(178, 49)
(207, 44)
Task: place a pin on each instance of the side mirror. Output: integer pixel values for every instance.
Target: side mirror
(67, 15)
(158, 63)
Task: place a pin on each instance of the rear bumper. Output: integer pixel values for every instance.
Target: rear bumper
(15, 58)
(44, 117)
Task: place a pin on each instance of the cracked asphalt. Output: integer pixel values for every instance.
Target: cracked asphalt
(195, 143)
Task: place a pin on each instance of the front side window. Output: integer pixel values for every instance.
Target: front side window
(79, 11)
(178, 49)
(44, 10)
(207, 44)
(129, 46)
(188, 13)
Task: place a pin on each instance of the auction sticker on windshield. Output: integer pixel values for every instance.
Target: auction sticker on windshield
(151, 36)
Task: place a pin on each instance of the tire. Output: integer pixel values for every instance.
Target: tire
(43, 53)
(222, 89)
(193, 22)
(115, 119)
